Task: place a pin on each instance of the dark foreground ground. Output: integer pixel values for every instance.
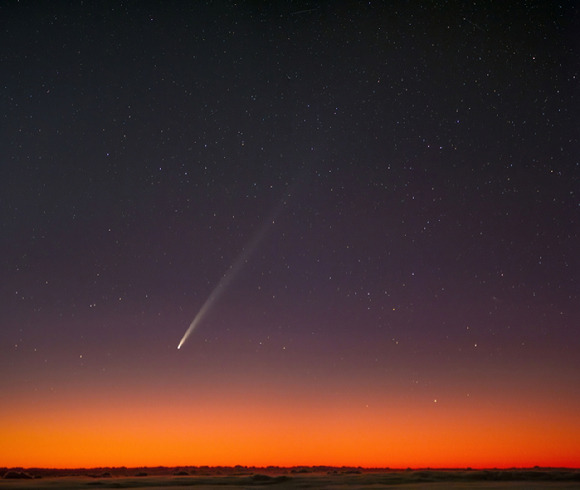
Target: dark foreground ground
(285, 478)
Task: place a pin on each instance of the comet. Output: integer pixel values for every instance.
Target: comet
(224, 282)
(233, 270)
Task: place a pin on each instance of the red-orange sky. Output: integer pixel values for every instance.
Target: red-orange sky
(267, 421)
(374, 204)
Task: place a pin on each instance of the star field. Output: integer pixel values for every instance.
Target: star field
(415, 172)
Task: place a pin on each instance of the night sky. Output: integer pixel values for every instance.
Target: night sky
(391, 192)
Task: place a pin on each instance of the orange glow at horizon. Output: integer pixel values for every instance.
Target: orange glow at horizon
(260, 432)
